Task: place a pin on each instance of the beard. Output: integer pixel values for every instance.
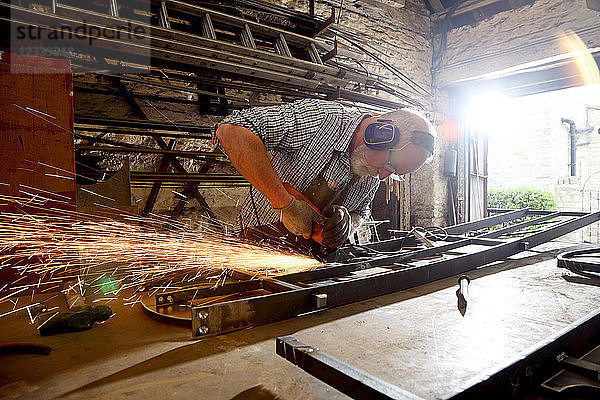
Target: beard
(359, 164)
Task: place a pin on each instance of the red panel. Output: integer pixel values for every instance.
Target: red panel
(36, 125)
(36, 108)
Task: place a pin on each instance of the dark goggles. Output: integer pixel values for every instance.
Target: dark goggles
(383, 135)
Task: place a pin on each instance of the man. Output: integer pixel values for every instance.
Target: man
(336, 156)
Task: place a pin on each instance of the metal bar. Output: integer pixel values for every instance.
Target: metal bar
(113, 8)
(541, 212)
(584, 367)
(524, 374)
(247, 36)
(264, 309)
(140, 124)
(94, 139)
(124, 131)
(271, 284)
(165, 99)
(207, 27)
(561, 229)
(213, 183)
(283, 46)
(147, 150)
(164, 16)
(390, 259)
(184, 177)
(246, 85)
(350, 380)
(497, 233)
(569, 260)
(485, 241)
(486, 222)
(314, 54)
(182, 296)
(153, 195)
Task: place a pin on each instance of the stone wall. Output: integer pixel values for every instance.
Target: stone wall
(532, 148)
(505, 40)
(516, 37)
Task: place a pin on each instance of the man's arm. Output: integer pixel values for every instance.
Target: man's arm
(249, 156)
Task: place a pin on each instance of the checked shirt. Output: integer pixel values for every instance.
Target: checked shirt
(304, 139)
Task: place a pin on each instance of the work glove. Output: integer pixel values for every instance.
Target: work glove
(297, 218)
(337, 226)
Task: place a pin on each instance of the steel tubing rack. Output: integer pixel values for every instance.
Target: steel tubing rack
(281, 58)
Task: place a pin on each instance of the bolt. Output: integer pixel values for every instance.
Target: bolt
(202, 315)
(169, 298)
(320, 300)
(202, 330)
(160, 299)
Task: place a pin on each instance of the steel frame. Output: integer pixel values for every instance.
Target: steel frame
(515, 379)
(347, 379)
(404, 271)
(400, 267)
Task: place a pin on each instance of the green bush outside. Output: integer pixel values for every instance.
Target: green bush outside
(533, 199)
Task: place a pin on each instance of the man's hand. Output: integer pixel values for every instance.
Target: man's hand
(337, 227)
(298, 218)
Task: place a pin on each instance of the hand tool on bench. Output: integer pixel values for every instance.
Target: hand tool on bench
(463, 294)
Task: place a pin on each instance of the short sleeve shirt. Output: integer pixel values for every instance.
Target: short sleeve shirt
(304, 139)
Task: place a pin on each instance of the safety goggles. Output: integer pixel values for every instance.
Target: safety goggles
(389, 167)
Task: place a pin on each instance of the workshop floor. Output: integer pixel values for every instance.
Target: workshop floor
(415, 339)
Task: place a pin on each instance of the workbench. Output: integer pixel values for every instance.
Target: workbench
(415, 339)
